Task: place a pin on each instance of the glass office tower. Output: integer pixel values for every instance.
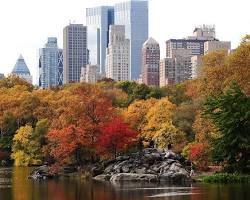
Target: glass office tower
(98, 20)
(49, 64)
(134, 15)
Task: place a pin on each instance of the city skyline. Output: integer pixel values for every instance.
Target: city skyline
(31, 38)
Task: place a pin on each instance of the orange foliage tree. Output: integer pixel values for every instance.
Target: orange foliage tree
(66, 143)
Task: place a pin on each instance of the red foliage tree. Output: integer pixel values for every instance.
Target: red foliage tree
(65, 143)
(115, 136)
(199, 154)
(196, 151)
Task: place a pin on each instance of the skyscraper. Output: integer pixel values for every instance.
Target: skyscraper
(75, 53)
(118, 54)
(150, 62)
(21, 70)
(50, 64)
(133, 15)
(98, 20)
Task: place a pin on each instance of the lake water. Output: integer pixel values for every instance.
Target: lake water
(14, 185)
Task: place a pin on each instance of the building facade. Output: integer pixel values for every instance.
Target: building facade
(90, 74)
(174, 70)
(60, 67)
(21, 70)
(196, 65)
(195, 43)
(211, 46)
(50, 64)
(150, 62)
(98, 20)
(75, 53)
(133, 15)
(118, 54)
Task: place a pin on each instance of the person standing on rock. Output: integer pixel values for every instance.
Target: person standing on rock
(169, 152)
(192, 170)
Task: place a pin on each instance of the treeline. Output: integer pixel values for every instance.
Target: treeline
(207, 119)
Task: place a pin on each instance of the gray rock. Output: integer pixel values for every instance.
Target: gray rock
(109, 169)
(103, 177)
(134, 177)
(175, 167)
(118, 167)
(125, 169)
(122, 158)
(179, 178)
(147, 165)
(166, 177)
(142, 170)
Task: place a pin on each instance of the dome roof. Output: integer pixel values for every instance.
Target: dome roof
(20, 67)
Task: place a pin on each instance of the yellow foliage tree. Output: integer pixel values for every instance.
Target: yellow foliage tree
(220, 70)
(136, 113)
(159, 126)
(25, 147)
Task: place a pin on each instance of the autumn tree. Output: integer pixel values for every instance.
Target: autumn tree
(26, 148)
(115, 137)
(184, 117)
(95, 110)
(176, 93)
(159, 125)
(135, 115)
(220, 69)
(65, 144)
(12, 80)
(199, 154)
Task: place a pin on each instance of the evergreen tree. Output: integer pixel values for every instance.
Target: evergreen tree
(230, 112)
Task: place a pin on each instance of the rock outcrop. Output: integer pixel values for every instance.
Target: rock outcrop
(151, 165)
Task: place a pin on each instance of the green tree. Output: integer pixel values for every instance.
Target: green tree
(8, 126)
(231, 114)
(176, 93)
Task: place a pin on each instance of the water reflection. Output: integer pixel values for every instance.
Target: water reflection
(14, 185)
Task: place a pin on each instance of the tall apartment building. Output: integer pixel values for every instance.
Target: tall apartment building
(174, 70)
(150, 62)
(90, 74)
(75, 53)
(190, 50)
(211, 46)
(98, 20)
(133, 15)
(50, 64)
(21, 70)
(118, 54)
(195, 43)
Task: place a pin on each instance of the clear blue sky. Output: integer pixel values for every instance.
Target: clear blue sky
(26, 24)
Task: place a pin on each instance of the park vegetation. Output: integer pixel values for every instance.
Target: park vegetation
(207, 120)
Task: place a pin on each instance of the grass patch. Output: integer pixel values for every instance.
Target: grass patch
(226, 178)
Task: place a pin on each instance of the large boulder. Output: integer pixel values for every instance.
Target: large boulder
(148, 165)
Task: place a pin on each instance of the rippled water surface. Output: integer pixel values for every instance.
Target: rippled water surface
(14, 185)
